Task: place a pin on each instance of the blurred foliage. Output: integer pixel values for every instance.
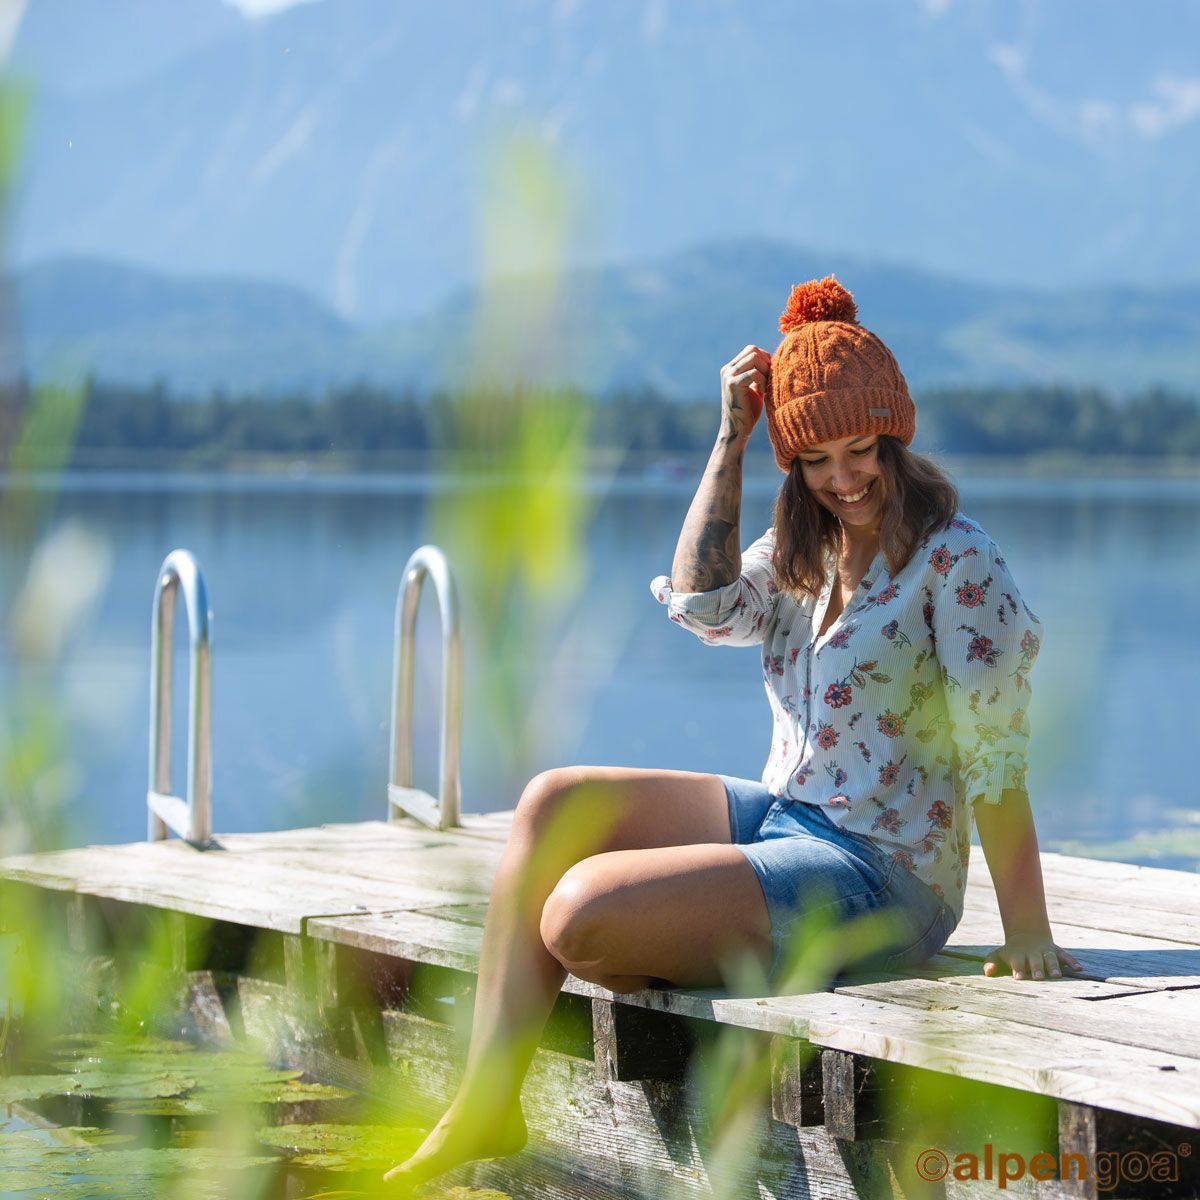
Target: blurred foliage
(516, 525)
(514, 530)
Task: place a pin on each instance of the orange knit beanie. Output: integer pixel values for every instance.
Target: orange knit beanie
(830, 377)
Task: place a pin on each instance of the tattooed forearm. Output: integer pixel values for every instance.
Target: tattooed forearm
(709, 553)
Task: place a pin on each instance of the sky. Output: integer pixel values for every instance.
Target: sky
(263, 8)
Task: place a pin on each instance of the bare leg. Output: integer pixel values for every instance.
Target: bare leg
(517, 984)
(564, 816)
(692, 915)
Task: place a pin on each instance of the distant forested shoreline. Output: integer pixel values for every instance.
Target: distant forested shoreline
(367, 427)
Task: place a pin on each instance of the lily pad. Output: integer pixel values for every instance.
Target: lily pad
(207, 1102)
(166, 1106)
(15, 1089)
(117, 1067)
(296, 1090)
(158, 1162)
(468, 1193)
(200, 1137)
(27, 1181)
(90, 1190)
(343, 1147)
(131, 1085)
(78, 1044)
(13, 1140)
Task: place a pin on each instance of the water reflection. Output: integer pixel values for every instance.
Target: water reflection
(303, 574)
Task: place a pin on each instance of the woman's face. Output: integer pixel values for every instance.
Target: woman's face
(838, 472)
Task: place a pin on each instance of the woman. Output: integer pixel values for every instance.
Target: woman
(896, 655)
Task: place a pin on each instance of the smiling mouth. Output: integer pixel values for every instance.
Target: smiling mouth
(858, 497)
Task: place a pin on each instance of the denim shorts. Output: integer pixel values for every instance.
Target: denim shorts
(806, 863)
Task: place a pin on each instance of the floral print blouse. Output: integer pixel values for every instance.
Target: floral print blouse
(912, 703)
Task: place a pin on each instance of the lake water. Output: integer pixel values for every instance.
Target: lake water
(302, 577)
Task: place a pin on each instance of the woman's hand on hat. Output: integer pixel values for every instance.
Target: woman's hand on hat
(744, 382)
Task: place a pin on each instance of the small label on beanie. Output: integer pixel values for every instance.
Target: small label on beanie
(880, 412)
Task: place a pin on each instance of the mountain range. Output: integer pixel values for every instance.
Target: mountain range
(667, 323)
(372, 153)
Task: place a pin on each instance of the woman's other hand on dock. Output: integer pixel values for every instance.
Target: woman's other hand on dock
(1029, 956)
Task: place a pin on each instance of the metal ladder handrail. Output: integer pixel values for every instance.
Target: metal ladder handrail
(192, 820)
(430, 562)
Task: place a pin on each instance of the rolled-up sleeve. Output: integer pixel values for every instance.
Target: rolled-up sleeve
(735, 615)
(986, 642)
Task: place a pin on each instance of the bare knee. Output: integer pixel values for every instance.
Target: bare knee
(568, 811)
(569, 927)
(543, 795)
(568, 921)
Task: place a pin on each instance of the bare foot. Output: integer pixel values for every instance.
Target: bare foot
(462, 1136)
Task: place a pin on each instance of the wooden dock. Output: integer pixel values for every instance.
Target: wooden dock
(378, 924)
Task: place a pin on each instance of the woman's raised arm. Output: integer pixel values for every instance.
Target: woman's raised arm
(724, 597)
(708, 554)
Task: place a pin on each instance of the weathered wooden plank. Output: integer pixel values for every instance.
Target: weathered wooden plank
(296, 970)
(270, 1017)
(449, 865)
(1176, 1004)
(1143, 905)
(966, 970)
(632, 1043)
(1174, 1031)
(353, 879)
(853, 1095)
(797, 1082)
(81, 935)
(1115, 915)
(351, 835)
(1104, 1044)
(478, 827)
(1104, 1153)
(1075, 906)
(206, 1007)
(414, 934)
(991, 1049)
(1008, 1053)
(424, 935)
(327, 973)
(236, 888)
(1137, 960)
(1093, 1071)
(1111, 878)
(639, 1138)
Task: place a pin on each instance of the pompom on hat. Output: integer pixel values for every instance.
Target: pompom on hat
(830, 377)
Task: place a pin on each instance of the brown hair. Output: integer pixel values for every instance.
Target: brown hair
(919, 499)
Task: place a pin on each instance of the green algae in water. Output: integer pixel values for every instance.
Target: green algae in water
(453, 1193)
(156, 1077)
(149, 1076)
(41, 1185)
(161, 1070)
(167, 1160)
(344, 1147)
(19, 1139)
(75, 1044)
(14, 1089)
(202, 1104)
(31, 1164)
(121, 1084)
(361, 1148)
(29, 1181)
(166, 1106)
